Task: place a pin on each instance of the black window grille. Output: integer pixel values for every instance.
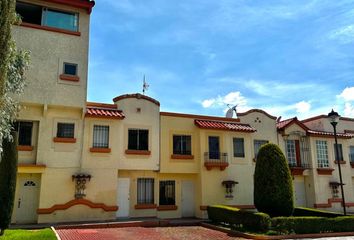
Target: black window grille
(167, 193)
(182, 144)
(65, 130)
(100, 136)
(138, 139)
(340, 152)
(145, 191)
(24, 130)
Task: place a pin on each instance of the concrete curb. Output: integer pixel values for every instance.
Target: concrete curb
(55, 232)
(264, 237)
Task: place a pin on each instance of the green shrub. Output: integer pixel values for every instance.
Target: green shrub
(8, 172)
(301, 211)
(303, 225)
(273, 188)
(239, 218)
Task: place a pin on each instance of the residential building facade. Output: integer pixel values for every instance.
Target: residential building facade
(85, 161)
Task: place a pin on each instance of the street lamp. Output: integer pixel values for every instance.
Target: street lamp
(334, 119)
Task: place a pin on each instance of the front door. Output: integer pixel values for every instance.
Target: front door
(214, 147)
(300, 194)
(123, 197)
(28, 199)
(188, 204)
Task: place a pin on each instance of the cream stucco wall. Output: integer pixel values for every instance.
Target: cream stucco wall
(48, 52)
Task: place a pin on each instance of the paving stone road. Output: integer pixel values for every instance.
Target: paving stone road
(141, 233)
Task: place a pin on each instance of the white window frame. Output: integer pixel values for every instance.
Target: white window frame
(322, 154)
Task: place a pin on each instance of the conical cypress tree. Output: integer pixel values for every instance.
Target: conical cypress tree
(273, 189)
(8, 172)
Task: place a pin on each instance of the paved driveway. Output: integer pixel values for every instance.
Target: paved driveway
(141, 233)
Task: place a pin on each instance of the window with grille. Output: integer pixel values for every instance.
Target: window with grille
(182, 144)
(239, 147)
(322, 154)
(100, 136)
(335, 190)
(138, 139)
(65, 130)
(24, 130)
(291, 152)
(167, 193)
(340, 152)
(257, 145)
(145, 191)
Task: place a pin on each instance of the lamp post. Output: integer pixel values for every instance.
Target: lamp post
(334, 119)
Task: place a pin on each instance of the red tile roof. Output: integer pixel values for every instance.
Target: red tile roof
(285, 123)
(99, 110)
(329, 134)
(220, 125)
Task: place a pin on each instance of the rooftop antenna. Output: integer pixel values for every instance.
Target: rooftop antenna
(230, 112)
(145, 85)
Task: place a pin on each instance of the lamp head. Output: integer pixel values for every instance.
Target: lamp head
(333, 117)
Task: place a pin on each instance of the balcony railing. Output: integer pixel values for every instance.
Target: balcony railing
(298, 168)
(216, 159)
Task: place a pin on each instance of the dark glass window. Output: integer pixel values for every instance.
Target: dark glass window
(214, 147)
(145, 191)
(65, 130)
(39, 15)
(167, 193)
(340, 152)
(29, 13)
(257, 145)
(70, 69)
(182, 144)
(351, 154)
(138, 139)
(24, 130)
(239, 147)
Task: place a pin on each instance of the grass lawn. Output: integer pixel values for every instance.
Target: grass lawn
(40, 234)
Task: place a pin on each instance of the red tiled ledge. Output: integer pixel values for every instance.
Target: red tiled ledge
(210, 165)
(24, 148)
(74, 202)
(325, 171)
(64, 140)
(69, 78)
(138, 152)
(297, 171)
(52, 29)
(145, 206)
(100, 150)
(167, 208)
(180, 156)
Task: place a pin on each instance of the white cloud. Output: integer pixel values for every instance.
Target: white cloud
(344, 34)
(207, 103)
(347, 94)
(349, 110)
(302, 107)
(232, 98)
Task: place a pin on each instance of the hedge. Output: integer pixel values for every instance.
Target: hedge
(302, 212)
(240, 218)
(302, 225)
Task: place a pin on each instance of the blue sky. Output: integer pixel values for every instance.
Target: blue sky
(289, 58)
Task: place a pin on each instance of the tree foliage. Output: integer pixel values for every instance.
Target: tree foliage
(8, 172)
(13, 63)
(273, 189)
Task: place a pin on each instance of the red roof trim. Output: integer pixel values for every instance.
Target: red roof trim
(84, 4)
(257, 110)
(287, 123)
(329, 134)
(325, 116)
(103, 111)
(137, 96)
(220, 125)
